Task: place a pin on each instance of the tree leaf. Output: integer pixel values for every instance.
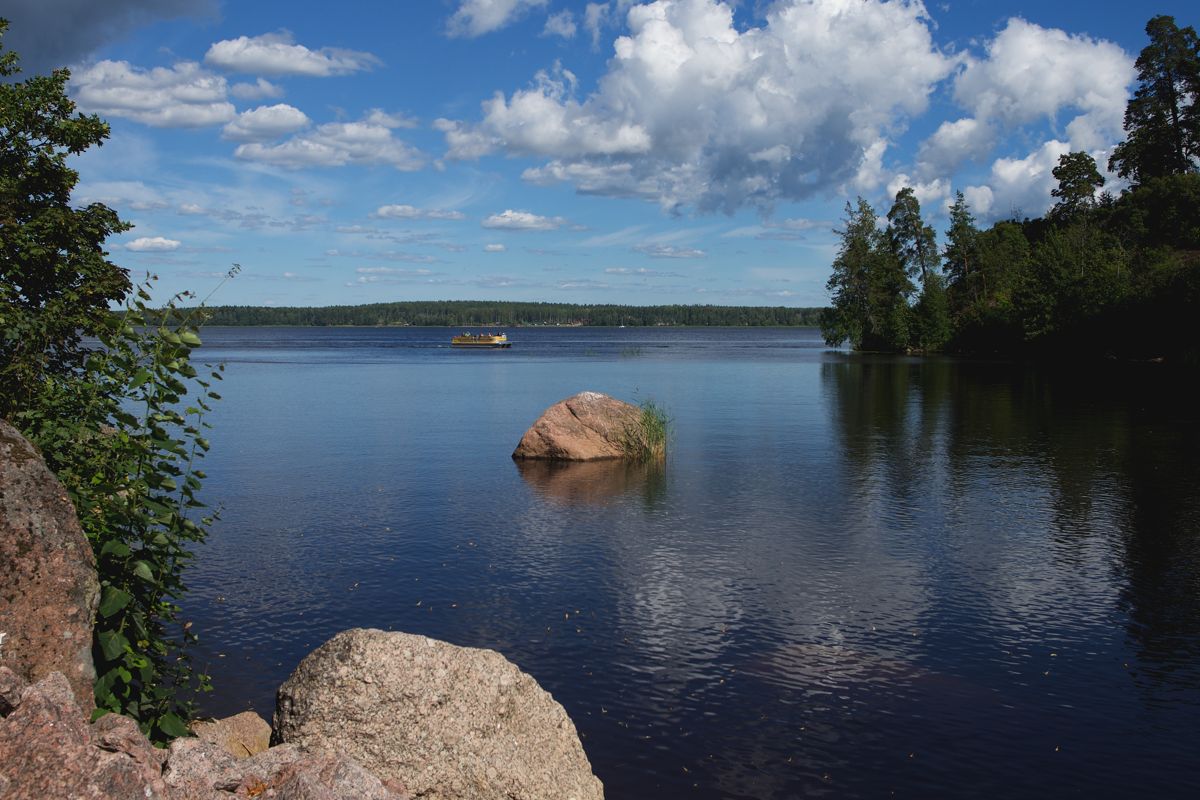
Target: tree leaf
(113, 600)
(172, 725)
(112, 644)
(139, 378)
(114, 548)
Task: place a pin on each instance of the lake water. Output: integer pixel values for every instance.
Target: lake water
(854, 576)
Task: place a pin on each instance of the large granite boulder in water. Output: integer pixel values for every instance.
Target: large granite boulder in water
(450, 723)
(48, 584)
(587, 427)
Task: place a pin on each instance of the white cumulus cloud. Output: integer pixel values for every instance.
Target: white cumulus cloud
(694, 111)
(152, 244)
(929, 194)
(953, 143)
(278, 54)
(182, 96)
(261, 89)
(494, 248)
(1019, 187)
(476, 17)
(522, 221)
(336, 144)
(266, 122)
(1033, 73)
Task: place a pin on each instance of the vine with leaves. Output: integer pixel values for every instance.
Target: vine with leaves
(125, 435)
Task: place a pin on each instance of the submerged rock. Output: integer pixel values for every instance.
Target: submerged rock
(242, 735)
(587, 427)
(448, 722)
(48, 584)
(590, 483)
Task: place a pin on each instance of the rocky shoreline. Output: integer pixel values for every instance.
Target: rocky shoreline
(369, 714)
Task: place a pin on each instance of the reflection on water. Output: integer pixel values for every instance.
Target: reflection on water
(854, 575)
(592, 482)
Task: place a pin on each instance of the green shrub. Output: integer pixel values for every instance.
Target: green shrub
(124, 434)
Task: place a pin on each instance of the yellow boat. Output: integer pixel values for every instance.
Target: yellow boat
(481, 340)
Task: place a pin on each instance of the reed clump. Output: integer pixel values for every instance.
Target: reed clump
(645, 439)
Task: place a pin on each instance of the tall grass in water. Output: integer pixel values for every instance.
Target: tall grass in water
(646, 438)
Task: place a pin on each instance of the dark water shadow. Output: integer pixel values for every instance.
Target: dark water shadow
(592, 483)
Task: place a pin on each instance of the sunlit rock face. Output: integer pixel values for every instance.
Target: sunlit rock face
(589, 426)
(450, 723)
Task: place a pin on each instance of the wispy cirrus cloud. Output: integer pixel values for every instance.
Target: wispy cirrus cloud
(474, 18)
(669, 251)
(403, 211)
(642, 272)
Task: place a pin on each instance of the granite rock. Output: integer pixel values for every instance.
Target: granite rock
(242, 735)
(48, 584)
(448, 722)
(589, 426)
(47, 749)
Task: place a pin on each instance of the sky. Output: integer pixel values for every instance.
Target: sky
(677, 151)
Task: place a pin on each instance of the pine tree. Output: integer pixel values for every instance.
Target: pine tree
(914, 242)
(1162, 121)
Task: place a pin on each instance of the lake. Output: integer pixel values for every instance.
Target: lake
(854, 576)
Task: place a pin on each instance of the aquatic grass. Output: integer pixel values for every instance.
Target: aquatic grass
(646, 439)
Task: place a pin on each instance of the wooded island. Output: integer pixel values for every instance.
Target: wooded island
(1099, 275)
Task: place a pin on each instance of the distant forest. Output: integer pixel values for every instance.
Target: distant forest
(481, 313)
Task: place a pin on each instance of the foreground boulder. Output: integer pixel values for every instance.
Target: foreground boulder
(587, 427)
(449, 723)
(200, 770)
(48, 584)
(47, 749)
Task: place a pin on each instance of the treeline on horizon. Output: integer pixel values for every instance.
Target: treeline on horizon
(475, 313)
(1098, 276)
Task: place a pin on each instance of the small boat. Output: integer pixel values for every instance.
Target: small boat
(481, 340)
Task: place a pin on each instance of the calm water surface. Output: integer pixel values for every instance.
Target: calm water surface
(854, 576)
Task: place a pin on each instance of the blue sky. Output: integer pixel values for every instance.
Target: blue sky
(679, 151)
